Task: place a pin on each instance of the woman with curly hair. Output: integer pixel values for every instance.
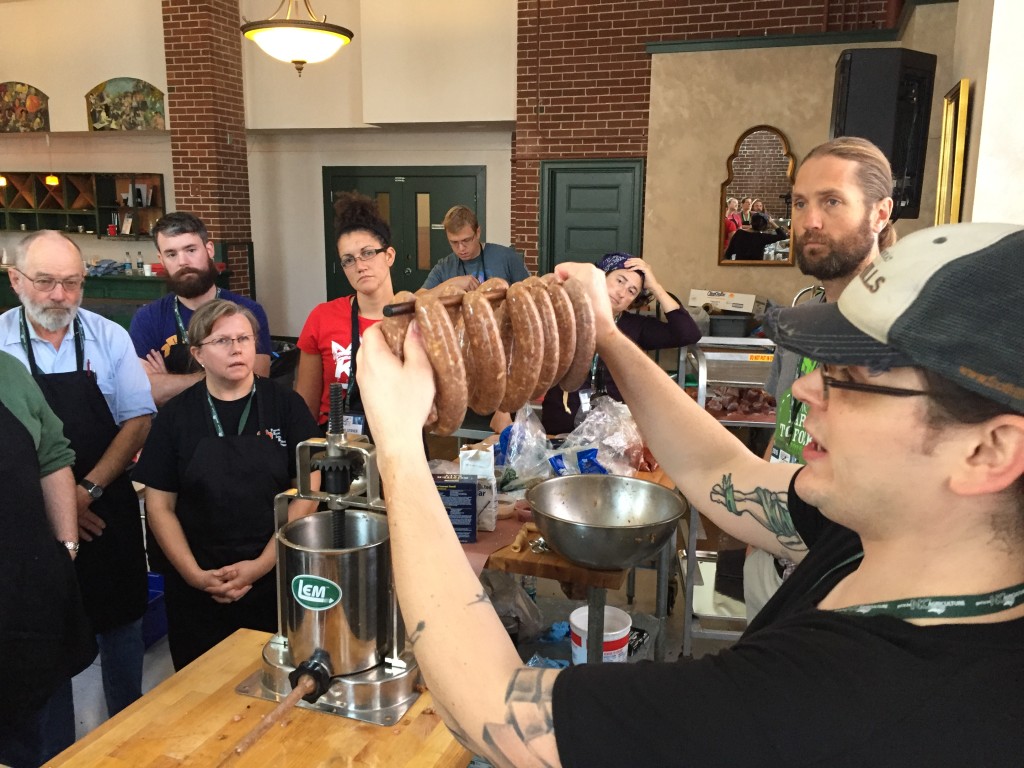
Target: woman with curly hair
(330, 337)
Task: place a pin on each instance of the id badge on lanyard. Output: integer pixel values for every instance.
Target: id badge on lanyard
(354, 424)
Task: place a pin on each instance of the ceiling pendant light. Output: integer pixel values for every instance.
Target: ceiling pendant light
(51, 181)
(300, 41)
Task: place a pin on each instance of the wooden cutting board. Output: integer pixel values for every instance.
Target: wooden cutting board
(195, 718)
(551, 565)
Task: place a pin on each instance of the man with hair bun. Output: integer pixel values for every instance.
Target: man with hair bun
(472, 261)
(842, 218)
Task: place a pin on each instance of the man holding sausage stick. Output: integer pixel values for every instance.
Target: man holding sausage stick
(904, 619)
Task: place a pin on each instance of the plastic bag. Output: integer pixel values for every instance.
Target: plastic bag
(609, 427)
(526, 457)
(510, 599)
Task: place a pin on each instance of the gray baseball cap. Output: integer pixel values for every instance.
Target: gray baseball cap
(947, 298)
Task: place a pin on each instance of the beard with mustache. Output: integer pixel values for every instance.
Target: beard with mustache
(845, 254)
(53, 317)
(189, 282)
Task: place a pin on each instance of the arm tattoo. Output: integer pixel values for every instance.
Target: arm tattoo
(414, 636)
(769, 508)
(481, 598)
(527, 737)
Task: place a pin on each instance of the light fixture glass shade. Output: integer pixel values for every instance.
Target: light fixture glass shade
(3, 181)
(298, 40)
(51, 181)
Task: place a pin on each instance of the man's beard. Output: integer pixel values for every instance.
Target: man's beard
(49, 317)
(844, 256)
(189, 282)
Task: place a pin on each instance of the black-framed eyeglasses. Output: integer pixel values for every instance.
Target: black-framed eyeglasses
(828, 381)
(226, 342)
(46, 284)
(364, 255)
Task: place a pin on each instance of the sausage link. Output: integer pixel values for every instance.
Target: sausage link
(583, 313)
(446, 359)
(549, 329)
(566, 323)
(395, 327)
(527, 347)
(486, 364)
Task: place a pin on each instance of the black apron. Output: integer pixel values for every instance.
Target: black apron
(45, 636)
(179, 357)
(112, 567)
(225, 506)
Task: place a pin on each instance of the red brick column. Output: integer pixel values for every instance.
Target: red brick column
(584, 75)
(203, 48)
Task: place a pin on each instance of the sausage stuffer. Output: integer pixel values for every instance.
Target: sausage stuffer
(338, 617)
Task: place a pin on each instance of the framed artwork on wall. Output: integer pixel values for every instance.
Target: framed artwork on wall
(953, 153)
(23, 108)
(125, 104)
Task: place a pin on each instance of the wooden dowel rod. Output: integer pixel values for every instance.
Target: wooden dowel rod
(451, 300)
(305, 685)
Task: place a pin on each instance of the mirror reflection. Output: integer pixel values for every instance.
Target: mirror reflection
(756, 200)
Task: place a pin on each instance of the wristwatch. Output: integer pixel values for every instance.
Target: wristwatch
(70, 546)
(91, 488)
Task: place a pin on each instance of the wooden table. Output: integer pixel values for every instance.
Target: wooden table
(195, 718)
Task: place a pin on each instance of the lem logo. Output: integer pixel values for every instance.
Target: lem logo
(315, 592)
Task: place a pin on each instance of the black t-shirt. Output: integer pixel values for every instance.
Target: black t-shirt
(805, 687)
(184, 421)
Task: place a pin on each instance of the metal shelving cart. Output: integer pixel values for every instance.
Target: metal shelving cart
(734, 362)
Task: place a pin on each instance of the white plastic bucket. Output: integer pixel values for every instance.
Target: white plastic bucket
(616, 634)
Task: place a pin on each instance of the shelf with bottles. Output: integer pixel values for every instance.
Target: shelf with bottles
(131, 202)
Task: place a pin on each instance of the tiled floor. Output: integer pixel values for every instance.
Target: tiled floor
(91, 709)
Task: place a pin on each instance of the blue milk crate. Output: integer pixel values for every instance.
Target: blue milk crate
(154, 621)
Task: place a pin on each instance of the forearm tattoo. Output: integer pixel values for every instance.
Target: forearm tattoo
(527, 737)
(769, 508)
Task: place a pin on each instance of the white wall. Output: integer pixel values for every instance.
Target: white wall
(450, 61)
(68, 47)
(285, 179)
(996, 152)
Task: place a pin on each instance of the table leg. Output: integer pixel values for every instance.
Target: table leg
(596, 597)
(664, 565)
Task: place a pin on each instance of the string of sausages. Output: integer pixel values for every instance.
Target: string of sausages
(499, 346)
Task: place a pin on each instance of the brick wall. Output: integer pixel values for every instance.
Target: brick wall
(759, 172)
(203, 48)
(584, 75)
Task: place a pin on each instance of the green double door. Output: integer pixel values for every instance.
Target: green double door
(413, 201)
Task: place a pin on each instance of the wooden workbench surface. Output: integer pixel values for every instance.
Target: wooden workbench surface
(195, 718)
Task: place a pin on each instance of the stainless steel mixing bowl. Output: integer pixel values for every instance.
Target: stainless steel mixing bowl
(605, 521)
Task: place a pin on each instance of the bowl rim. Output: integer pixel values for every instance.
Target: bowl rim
(598, 526)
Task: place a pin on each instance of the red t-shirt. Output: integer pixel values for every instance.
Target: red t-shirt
(328, 333)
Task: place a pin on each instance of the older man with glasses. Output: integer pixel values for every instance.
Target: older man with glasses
(87, 369)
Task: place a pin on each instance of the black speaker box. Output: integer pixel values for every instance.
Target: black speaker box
(885, 95)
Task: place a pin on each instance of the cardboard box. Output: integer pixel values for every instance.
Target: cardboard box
(459, 495)
(727, 300)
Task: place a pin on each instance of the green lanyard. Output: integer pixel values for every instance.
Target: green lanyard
(945, 606)
(245, 412)
(182, 331)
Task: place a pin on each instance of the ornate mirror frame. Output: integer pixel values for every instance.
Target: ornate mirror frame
(791, 163)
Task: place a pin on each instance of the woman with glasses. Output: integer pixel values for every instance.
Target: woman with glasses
(330, 338)
(216, 457)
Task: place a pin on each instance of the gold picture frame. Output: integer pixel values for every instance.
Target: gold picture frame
(952, 153)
